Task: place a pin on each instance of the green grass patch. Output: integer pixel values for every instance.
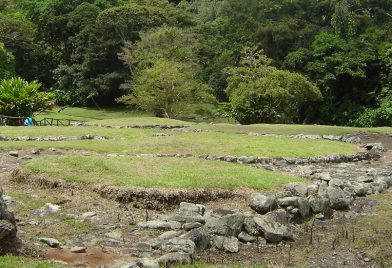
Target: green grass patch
(139, 141)
(140, 121)
(189, 173)
(289, 129)
(90, 114)
(22, 262)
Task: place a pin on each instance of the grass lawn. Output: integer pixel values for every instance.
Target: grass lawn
(22, 262)
(289, 129)
(188, 173)
(90, 114)
(139, 121)
(139, 141)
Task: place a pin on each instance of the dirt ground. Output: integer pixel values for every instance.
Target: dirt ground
(357, 238)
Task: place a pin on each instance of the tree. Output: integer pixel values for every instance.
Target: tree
(167, 89)
(260, 93)
(7, 63)
(20, 98)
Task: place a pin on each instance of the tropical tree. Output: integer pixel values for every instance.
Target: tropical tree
(168, 89)
(260, 93)
(21, 98)
(7, 63)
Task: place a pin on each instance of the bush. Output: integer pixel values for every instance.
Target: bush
(260, 93)
(21, 98)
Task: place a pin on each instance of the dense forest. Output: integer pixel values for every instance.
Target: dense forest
(272, 61)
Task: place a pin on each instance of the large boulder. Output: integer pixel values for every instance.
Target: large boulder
(263, 202)
(8, 239)
(273, 231)
(296, 189)
(338, 199)
(224, 222)
(189, 213)
(200, 237)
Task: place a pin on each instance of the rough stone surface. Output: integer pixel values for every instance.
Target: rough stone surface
(179, 244)
(8, 229)
(51, 242)
(263, 202)
(160, 225)
(227, 244)
(224, 223)
(246, 238)
(175, 258)
(200, 237)
(273, 231)
(157, 242)
(296, 189)
(338, 198)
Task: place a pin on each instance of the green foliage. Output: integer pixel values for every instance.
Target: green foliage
(20, 98)
(7, 63)
(260, 93)
(167, 89)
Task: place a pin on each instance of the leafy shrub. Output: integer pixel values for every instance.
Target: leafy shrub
(21, 98)
(260, 93)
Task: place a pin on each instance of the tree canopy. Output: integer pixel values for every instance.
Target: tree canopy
(88, 52)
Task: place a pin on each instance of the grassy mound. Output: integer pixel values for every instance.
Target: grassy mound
(189, 173)
(141, 141)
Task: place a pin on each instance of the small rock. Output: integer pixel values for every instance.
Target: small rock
(192, 225)
(228, 244)
(246, 238)
(179, 244)
(13, 153)
(89, 214)
(78, 249)
(160, 225)
(200, 237)
(51, 242)
(175, 258)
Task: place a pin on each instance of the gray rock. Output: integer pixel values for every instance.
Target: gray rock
(279, 215)
(323, 176)
(263, 202)
(332, 137)
(230, 224)
(149, 263)
(303, 207)
(288, 201)
(191, 225)
(51, 242)
(250, 226)
(338, 183)
(361, 189)
(297, 189)
(189, 213)
(78, 249)
(312, 189)
(179, 244)
(273, 231)
(200, 237)
(338, 198)
(89, 214)
(157, 242)
(378, 187)
(386, 180)
(13, 153)
(160, 225)
(227, 244)
(175, 258)
(246, 238)
(9, 242)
